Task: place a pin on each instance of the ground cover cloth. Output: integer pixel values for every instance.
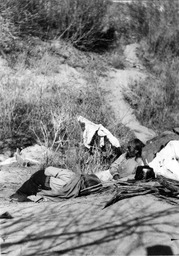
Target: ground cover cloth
(166, 162)
(154, 145)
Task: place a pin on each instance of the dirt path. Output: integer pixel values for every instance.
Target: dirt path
(116, 83)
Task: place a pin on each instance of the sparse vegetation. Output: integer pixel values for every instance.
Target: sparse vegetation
(157, 24)
(56, 56)
(83, 23)
(49, 116)
(157, 105)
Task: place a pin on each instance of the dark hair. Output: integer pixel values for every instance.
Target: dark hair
(90, 180)
(90, 184)
(134, 148)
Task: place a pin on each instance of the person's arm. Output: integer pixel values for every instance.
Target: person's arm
(118, 164)
(51, 171)
(54, 171)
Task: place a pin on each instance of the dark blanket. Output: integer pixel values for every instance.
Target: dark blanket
(32, 186)
(155, 145)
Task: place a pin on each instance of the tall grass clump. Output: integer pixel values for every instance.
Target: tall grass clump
(130, 21)
(7, 34)
(155, 21)
(155, 25)
(30, 105)
(83, 23)
(49, 118)
(163, 33)
(155, 100)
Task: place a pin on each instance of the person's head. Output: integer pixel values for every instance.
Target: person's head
(134, 148)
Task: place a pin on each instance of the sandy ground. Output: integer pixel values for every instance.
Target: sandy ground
(82, 226)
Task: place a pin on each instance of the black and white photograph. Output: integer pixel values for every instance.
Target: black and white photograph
(89, 127)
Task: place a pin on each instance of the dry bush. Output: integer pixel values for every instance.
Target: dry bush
(157, 24)
(7, 35)
(83, 23)
(156, 21)
(50, 118)
(130, 21)
(155, 100)
(116, 58)
(164, 30)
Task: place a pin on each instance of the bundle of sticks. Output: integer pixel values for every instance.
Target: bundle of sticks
(161, 187)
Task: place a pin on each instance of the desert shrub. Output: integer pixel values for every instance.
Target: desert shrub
(83, 23)
(155, 100)
(7, 35)
(116, 58)
(49, 117)
(16, 112)
(161, 28)
(164, 31)
(155, 21)
(57, 118)
(131, 21)
(157, 24)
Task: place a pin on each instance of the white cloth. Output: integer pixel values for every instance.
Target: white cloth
(8, 161)
(166, 162)
(104, 176)
(91, 129)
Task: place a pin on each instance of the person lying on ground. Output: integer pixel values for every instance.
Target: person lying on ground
(55, 183)
(63, 183)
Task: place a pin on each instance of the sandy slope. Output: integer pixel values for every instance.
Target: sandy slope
(116, 83)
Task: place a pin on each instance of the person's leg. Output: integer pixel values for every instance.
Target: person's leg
(39, 178)
(34, 184)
